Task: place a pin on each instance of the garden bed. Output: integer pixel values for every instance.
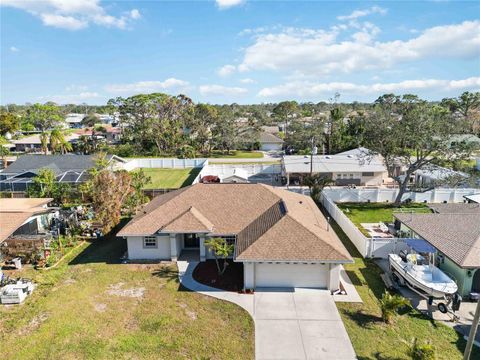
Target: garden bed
(207, 273)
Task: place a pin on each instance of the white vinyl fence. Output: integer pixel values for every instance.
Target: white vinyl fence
(361, 242)
(367, 246)
(165, 163)
(270, 173)
(440, 195)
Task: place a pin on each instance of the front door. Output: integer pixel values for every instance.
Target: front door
(191, 241)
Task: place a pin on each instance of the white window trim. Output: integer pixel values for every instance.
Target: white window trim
(150, 246)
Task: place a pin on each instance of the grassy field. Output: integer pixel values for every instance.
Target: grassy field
(236, 154)
(92, 307)
(377, 212)
(371, 338)
(170, 178)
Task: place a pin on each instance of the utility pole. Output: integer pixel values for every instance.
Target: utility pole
(473, 332)
(313, 152)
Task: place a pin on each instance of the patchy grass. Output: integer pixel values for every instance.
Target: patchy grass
(377, 212)
(91, 306)
(170, 178)
(371, 338)
(236, 154)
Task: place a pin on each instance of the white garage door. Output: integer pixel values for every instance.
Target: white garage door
(271, 147)
(291, 275)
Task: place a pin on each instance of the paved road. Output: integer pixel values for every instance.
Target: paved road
(299, 324)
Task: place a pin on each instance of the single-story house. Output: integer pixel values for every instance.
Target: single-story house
(454, 230)
(434, 176)
(354, 167)
(270, 142)
(24, 216)
(282, 238)
(68, 168)
(33, 144)
(74, 120)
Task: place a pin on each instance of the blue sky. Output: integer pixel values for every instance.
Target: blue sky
(226, 51)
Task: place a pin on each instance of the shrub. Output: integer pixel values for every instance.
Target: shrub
(390, 304)
(424, 351)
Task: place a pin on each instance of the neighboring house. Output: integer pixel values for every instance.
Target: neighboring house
(352, 167)
(238, 176)
(74, 121)
(434, 176)
(270, 142)
(32, 144)
(282, 238)
(69, 168)
(24, 217)
(112, 134)
(454, 230)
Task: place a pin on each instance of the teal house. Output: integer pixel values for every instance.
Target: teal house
(454, 230)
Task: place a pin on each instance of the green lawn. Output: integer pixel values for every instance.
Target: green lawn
(170, 178)
(93, 307)
(371, 338)
(236, 154)
(377, 212)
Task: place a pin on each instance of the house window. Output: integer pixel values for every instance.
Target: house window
(367, 173)
(149, 242)
(229, 239)
(351, 176)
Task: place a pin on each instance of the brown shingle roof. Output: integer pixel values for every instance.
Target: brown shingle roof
(14, 212)
(271, 224)
(455, 235)
(266, 137)
(190, 221)
(452, 208)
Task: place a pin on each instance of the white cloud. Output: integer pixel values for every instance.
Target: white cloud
(226, 70)
(362, 13)
(308, 89)
(171, 84)
(73, 14)
(219, 90)
(14, 49)
(135, 14)
(247, 81)
(318, 52)
(71, 98)
(225, 4)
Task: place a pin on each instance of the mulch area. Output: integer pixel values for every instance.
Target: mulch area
(232, 280)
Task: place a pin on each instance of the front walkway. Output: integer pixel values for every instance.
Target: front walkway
(289, 323)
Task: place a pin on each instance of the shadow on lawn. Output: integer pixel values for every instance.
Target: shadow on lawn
(379, 356)
(108, 249)
(193, 174)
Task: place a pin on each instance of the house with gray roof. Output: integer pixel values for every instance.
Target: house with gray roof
(281, 237)
(353, 167)
(455, 232)
(270, 142)
(68, 168)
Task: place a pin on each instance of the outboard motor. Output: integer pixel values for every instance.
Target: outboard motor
(456, 301)
(403, 255)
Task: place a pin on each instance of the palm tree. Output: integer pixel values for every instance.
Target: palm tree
(58, 142)
(44, 142)
(316, 183)
(389, 304)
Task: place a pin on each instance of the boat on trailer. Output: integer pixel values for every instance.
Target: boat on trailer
(418, 271)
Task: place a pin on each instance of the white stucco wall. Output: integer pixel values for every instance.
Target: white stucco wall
(136, 251)
(249, 275)
(334, 277)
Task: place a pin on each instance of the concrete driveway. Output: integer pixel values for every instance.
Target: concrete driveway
(299, 324)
